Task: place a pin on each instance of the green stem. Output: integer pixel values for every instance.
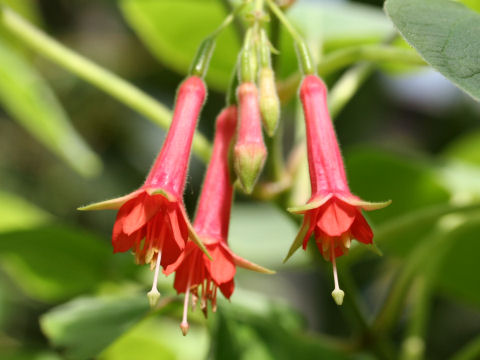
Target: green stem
(374, 53)
(96, 75)
(303, 54)
(237, 24)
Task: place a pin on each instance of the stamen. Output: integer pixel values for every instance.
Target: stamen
(184, 324)
(154, 295)
(194, 301)
(337, 293)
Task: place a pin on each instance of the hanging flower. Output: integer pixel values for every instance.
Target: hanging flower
(333, 214)
(195, 274)
(152, 221)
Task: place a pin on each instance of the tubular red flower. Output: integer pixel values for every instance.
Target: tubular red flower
(250, 151)
(333, 214)
(152, 221)
(194, 272)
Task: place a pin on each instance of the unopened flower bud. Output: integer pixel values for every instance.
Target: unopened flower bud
(250, 151)
(269, 102)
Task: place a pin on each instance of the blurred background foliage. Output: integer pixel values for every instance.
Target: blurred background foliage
(407, 134)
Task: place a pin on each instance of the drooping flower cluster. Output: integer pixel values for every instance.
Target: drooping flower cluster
(152, 221)
(195, 273)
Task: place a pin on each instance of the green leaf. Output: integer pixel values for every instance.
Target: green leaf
(456, 276)
(159, 338)
(85, 326)
(472, 4)
(447, 36)
(52, 263)
(274, 333)
(173, 30)
(408, 181)
(343, 23)
(31, 102)
(27, 353)
(253, 237)
(465, 148)
(16, 213)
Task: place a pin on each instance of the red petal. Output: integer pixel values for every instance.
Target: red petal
(145, 208)
(170, 252)
(176, 228)
(336, 217)
(361, 230)
(221, 268)
(227, 288)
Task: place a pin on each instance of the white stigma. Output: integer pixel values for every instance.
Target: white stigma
(154, 295)
(337, 293)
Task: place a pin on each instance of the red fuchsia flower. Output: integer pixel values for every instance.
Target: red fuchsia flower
(152, 221)
(333, 214)
(194, 272)
(249, 151)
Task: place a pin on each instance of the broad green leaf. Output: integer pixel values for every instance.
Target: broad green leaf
(85, 326)
(173, 30)
(159, 338)
(447, 36)
(51, 263)
(31, 102)
(262, 233)
(16, 213)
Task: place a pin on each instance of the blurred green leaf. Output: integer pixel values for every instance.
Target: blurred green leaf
(472, 4)
(173, 30)
(16, 213)
(447, 36)
(408, 181)
(465, 148)
(276, 332)
(262, 233)
(85, 326)
(340, 23)
(27, 8)
(31, 102)
(470, 352)
(51, 263)
(457, 276)
(27, 353)
(158, 338)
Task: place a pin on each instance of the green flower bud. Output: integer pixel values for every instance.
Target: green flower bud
(269, 101)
